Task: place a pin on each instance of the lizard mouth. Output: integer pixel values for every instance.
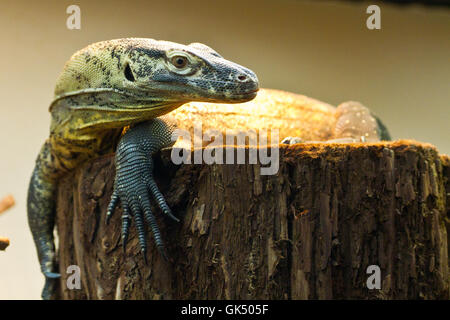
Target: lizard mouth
(243, 97)
(252, 92)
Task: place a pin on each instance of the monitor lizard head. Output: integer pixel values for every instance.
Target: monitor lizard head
(123, 81)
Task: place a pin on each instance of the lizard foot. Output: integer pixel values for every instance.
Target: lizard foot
(134, 182)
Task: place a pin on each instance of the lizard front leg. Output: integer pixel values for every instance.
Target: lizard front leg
(134, 181)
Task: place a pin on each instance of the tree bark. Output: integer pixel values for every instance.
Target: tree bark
(308, 232)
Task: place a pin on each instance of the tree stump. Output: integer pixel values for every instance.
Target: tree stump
(308, 232)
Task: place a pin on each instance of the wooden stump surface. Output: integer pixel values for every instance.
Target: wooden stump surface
(308, 232)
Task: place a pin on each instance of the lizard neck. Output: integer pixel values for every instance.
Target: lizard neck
(69, 151)
(86, 127)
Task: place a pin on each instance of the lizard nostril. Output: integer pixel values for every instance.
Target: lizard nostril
(242, 78)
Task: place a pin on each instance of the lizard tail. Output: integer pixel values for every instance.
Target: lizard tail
(41, 219)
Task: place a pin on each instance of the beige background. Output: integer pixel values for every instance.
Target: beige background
(321, 49)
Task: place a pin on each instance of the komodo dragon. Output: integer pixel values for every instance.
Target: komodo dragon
(131, 83)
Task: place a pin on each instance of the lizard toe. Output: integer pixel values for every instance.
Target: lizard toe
(112, 205)
(159, 198)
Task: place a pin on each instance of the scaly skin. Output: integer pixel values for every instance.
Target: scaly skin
(291, 114)
(105, 87)
(133, 82)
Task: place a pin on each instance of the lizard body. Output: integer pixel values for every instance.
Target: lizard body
(293, 115)
(105, 87)
(132, 83)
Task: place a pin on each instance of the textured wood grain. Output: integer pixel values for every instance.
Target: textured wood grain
(308, 232)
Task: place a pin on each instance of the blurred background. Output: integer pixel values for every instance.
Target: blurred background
(322, 49)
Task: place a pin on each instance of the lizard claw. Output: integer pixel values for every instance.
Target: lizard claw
(150, 218)
(138, 210)
(153, 188)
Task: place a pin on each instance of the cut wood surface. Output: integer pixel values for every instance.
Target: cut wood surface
(308, 232)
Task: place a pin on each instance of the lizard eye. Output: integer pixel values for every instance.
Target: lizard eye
(179, 61)
(128, 73)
